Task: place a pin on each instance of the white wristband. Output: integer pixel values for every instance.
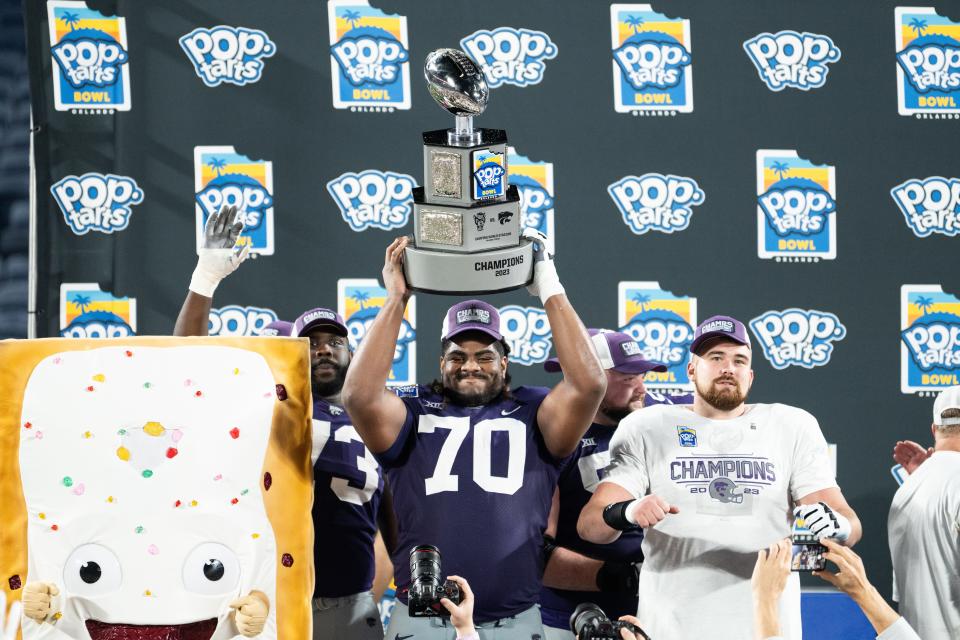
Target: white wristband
(546, 282)
(213, 265)
(628, 512)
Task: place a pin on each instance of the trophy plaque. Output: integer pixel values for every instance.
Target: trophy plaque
(466, 235)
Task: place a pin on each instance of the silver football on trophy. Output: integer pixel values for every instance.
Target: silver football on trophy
(456, 82)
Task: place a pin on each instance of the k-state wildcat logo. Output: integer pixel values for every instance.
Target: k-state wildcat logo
(228, 54)
(791, 59)
(510, 56)
(96, 202)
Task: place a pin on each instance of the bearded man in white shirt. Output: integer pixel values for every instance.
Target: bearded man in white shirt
(713, 483)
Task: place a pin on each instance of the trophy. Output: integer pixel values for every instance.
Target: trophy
(466, 230)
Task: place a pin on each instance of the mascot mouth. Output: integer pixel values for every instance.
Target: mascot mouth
(202, 630)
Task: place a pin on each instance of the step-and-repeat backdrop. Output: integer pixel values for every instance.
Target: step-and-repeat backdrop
(790, 164)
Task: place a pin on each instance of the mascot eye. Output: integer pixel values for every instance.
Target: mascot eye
(92, 570)
(211, 569)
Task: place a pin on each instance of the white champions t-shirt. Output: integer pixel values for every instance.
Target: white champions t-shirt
(734, 482)
(924, 532)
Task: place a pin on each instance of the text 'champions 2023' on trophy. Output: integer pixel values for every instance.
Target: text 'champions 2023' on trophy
(466, 235)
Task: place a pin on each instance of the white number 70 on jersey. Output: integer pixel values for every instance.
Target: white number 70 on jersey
(444, 480)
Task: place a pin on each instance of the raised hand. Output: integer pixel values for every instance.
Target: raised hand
(222, 229)
(910, 455)
(393, 279)
(217, 257)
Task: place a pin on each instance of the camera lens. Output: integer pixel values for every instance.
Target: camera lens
(425, 564)
(586, 614)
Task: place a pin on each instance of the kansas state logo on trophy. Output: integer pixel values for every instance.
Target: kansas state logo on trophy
(234, 320)
(369, 57)
(534, 181)
(90, 66)
(796, 208)
(930, 205)
(652, 61)
(86, 311)
(225, 178)
(797, 337)
(791, 59)
(662, 323)
(930, 338)
(96, 202)
(510, 56)
(928, 63)
(656, 202)
(359, 300)
(373, 199)
(527, 332)
(227, 54)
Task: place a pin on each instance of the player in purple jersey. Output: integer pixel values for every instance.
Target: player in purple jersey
(350, 500)
(472, 462)
(579, 571)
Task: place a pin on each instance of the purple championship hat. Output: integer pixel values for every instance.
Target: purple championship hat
(278, 328)
(617, 351)
(471, 315)
(320, 317)
(719, 327)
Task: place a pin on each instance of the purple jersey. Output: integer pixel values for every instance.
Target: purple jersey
(347, 487)
(578, 480)
(476, 482)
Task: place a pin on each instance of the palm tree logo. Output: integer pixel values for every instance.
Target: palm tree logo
(924, 304)
(780, 168)
(360, 298)
(70, 19)
(82, 302)
(352, 17)
(217, 164)
(918, 25)
(634, 22)
(643, 300)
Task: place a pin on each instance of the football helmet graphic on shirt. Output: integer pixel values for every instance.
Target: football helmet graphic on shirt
(725, 490)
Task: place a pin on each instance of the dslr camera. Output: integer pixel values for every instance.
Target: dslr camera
(589, 622)
(426, 587)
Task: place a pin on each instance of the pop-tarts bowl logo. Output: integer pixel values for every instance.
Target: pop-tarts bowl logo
(234, 320)
(359, 300)
(534, 182)
(796, 207)
(797, 337)
(369, 57)
(928, 63)
(790, 59)
(373, 199)
(227, 54)
(656, 202)
(96, 202)
(652, 61)
(931, 205)
(527, 332)
(88, 312)
(662, 324)
(223, 177)
(510, 56)
(930, 338)
(90, 66)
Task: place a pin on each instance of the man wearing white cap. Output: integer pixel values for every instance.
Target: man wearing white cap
(924, 530)
(711, 484)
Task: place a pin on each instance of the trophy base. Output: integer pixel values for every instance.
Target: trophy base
(430, 271)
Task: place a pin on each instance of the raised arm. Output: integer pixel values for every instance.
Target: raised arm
(377, 413)
(567, 411)
(217, 259)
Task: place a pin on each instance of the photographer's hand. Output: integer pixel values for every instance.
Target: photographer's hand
(626, 634)
(461, 616)
(769, 578)
(851, 578)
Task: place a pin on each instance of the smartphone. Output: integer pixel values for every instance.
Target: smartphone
(807, 552)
